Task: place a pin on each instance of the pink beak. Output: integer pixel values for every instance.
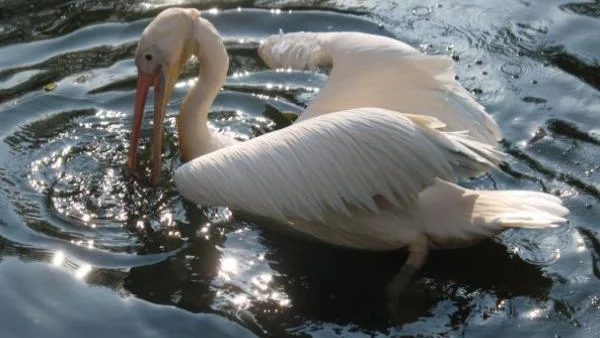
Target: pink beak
(145, 81)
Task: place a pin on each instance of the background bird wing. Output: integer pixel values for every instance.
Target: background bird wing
(375, 71)
(332, 163)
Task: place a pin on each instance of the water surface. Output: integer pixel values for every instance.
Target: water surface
(84, 251)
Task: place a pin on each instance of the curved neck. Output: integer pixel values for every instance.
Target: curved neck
(195, 139)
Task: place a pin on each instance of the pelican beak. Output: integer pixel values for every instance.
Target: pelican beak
(145, 81)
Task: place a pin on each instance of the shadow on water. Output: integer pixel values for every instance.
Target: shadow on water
(336, 286)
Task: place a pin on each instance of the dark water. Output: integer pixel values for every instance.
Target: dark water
(83, 252)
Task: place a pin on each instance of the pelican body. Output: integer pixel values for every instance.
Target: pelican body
(372, 162)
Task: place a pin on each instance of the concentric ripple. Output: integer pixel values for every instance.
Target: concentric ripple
(77, 169)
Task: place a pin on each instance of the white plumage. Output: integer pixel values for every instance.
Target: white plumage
(376, 71)
(346, 174)
(300, 50)
(333, 163)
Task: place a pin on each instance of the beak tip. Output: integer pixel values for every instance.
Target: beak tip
(155, 179)
(130, 170)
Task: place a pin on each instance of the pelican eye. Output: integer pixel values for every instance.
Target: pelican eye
(148, 57)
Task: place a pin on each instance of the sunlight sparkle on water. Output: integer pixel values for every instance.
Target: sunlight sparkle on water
(262, 281)
(240, 300)
(186, 83)
(192, 82)
(579, 242)
(166, 218)
(240, 74)
(109, 114)
(58, 259)
(229, 266)
(57, 164)
(83, 270)
(280, 298)
(174, 234)
(534, 313)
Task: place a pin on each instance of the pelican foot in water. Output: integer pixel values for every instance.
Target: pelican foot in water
(396, 290)
(398, 286)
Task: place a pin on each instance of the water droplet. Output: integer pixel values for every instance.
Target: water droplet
(421, 11)
(511, 69)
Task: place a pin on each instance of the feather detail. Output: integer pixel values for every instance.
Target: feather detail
(294, 50)
(473, 215)
(332, 163)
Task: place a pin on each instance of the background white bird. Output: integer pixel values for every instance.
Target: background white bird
(376, 71)
(367, 178)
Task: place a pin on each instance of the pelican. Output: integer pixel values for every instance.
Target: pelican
(345, 173)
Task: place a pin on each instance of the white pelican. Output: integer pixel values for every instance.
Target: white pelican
(366, 178)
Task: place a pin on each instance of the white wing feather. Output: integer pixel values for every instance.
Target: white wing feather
(332, 163)
(376, 71)
(295, 50)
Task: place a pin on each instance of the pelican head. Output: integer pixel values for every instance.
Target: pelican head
(163, 50)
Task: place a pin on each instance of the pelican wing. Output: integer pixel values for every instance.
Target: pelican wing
(333, 163)
(375, 71)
